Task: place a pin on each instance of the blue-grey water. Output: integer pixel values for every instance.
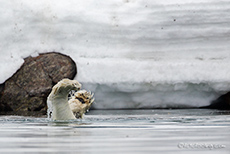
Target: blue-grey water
(120, 131)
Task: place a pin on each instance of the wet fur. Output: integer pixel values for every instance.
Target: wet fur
(81, 102)
(59, 99)
(64, 109)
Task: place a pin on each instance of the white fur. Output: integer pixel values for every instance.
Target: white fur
(79, 108)
(61, 110)
(59, 98)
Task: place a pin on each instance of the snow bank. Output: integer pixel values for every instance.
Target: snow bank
(130, 53)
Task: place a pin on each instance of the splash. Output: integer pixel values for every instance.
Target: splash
(49, 109)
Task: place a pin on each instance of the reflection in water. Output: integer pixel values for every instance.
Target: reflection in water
(119, 131)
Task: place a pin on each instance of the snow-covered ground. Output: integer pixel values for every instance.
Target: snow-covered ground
(130, 53)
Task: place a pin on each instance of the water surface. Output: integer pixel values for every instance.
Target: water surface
(120, 131)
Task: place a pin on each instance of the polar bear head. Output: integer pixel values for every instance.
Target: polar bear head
(81, 102)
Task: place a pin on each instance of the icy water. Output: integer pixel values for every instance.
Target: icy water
(120, 131)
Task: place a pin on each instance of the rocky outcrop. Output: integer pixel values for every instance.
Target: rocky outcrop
(28, 88)
(222, 103)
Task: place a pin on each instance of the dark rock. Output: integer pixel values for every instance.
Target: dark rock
(57, 66)
(221, 103)
(27, 90)
(3, 105)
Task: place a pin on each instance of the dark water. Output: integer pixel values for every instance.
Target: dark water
(120, 131)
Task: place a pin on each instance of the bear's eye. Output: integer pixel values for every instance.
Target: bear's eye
(81, 100)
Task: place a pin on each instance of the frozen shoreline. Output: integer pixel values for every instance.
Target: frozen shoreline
(127, 43)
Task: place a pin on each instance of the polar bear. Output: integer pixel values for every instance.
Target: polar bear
(64, 109)
(80, 102)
